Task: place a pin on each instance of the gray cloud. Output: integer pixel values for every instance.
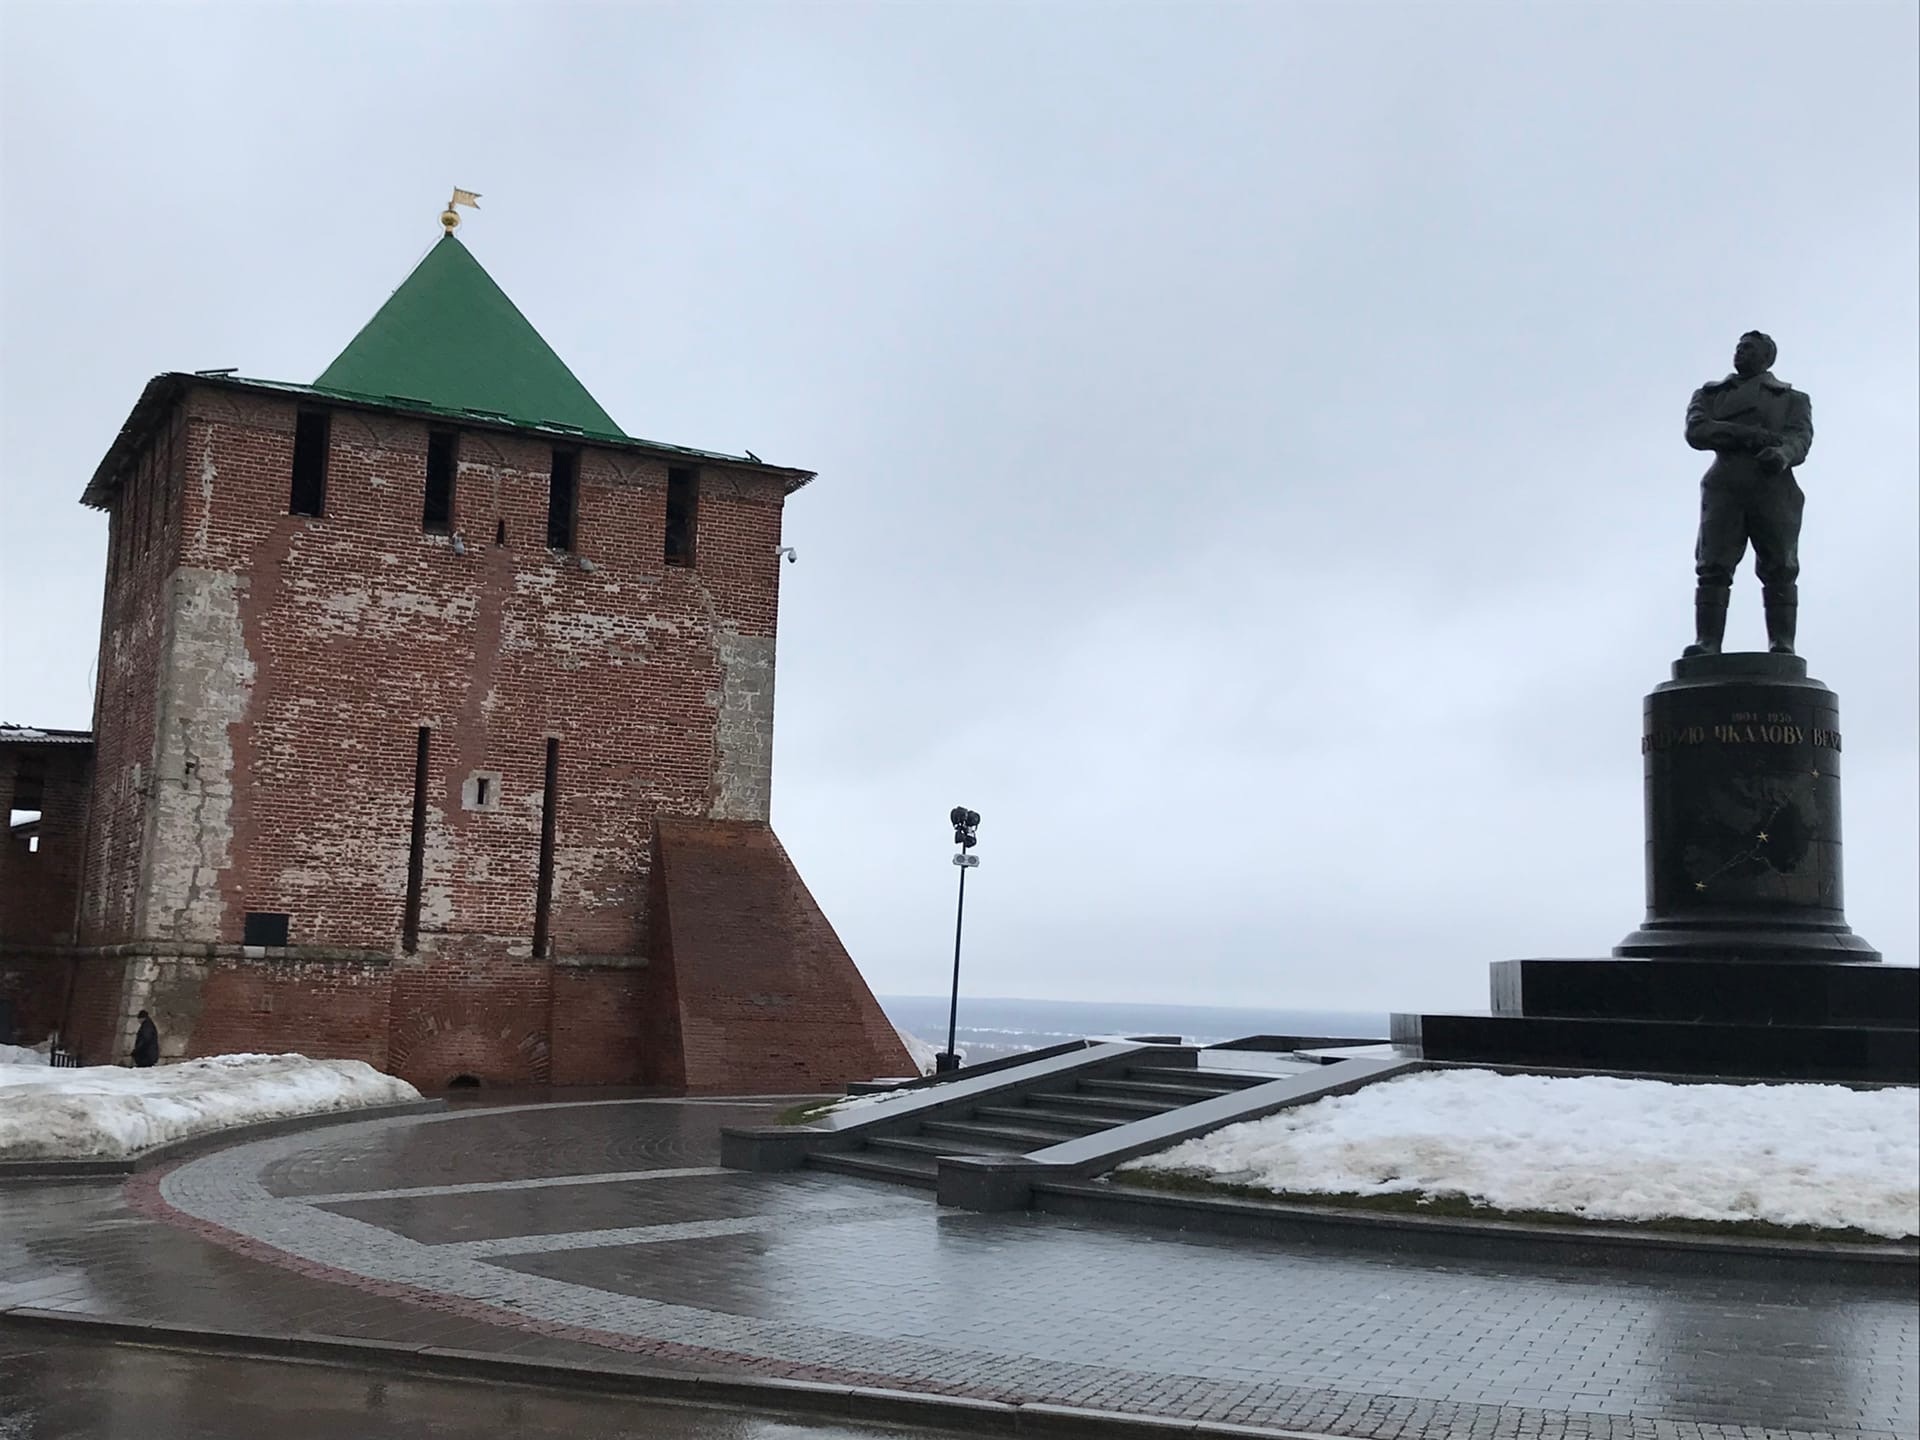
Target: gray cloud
(1249, 435)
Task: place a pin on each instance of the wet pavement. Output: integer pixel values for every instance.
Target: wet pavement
(605, 1232)
(57, 1388)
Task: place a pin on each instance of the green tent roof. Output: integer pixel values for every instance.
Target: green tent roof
(450, 337)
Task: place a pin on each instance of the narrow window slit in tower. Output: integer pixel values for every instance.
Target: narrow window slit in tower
(436, 511)
(543, 891)
(500, 533)
(417, 848)
(144, 483)
(562, 499)
(308, 495)
(683, 514)
(29, 795)
(157, 496)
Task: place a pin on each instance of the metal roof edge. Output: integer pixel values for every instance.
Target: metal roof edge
(100, 488)
(39, 735)
(99, 492)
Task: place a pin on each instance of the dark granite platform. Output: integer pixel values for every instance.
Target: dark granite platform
(1742, 1019)
(1744, 966)
(1668, 1047)
(1799, 993)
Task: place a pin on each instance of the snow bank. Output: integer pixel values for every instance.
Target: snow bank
(21, 1055)
(106, 1112)
(919, 1051)
(1591, 1146)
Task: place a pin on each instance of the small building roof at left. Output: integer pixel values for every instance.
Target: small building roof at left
(35, 735)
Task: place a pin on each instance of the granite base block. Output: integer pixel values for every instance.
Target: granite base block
(1858, 1053)
(1799, 993)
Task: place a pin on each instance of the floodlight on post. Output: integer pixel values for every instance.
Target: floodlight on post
(966, 826)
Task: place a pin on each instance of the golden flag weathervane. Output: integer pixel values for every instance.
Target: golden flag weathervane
(450, 217)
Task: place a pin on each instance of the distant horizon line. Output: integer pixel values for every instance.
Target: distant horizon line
(966, 1000)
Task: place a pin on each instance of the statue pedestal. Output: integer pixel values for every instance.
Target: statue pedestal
(1744, 966)
(1742, 763)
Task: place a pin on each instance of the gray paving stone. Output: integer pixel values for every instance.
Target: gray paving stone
(425, 1230)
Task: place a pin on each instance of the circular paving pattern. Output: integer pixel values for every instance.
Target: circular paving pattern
(610, 1223)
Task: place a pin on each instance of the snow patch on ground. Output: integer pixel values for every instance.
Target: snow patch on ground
(21, 1055)
(861, 1102)
(107, 1112)
(1591, 1146)
(922, 1055)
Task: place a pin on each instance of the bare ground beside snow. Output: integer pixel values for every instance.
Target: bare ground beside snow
(107, 1112)
(1589, 1147)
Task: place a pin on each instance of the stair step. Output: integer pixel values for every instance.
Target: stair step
(1202, 1089)
(1017, 1139)
(1110, 1104)
(913, 1146)
(1154, 1089)
(1077, 1122)
(1225, 1082)
(897, 1171)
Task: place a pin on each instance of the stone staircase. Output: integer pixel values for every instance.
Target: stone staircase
(1052, 1111)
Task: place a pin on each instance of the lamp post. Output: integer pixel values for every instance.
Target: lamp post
(965, 825)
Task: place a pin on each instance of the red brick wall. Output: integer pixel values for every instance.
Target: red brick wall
(767, 999)
(599, 1026)
(40, 882)
(33, 986)
(144, 536)
(360, 628)
(663, 1059)
(282, 666)
(94, 1009)
(470, 1009)
(335, 1009)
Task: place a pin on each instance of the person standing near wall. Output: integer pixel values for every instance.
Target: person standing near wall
(146, 1042)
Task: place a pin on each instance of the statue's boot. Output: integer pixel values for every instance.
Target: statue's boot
(1709, 620)
(1783, 613)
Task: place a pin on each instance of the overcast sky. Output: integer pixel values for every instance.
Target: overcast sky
(1249, 437)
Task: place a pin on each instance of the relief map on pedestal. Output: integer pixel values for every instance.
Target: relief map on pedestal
(1751, 807)
(1754, 836)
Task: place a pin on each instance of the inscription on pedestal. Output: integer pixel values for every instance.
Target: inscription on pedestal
(1743, 730)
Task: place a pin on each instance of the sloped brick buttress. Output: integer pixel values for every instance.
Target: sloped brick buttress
(749, 989)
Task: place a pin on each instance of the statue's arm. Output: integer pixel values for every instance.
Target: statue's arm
(1706, 434)
(1796, 437)
(1711, 434)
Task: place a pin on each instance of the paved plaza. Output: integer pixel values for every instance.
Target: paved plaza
(62, 1388)
(605, 1231)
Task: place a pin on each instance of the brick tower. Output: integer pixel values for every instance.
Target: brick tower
(434, 728)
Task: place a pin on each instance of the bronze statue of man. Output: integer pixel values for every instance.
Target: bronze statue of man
(1759, 428)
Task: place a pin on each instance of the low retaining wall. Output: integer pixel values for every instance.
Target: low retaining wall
(36, 1170)
(806, 1400)
(1430, 1238)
